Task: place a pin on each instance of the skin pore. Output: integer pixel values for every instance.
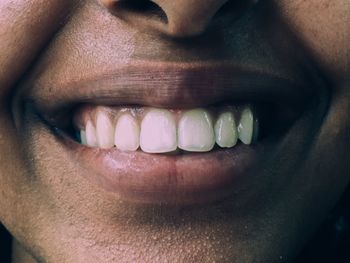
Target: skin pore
(56, 215)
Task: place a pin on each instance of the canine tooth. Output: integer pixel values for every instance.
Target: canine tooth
(195, 131)
(226, 130)
(104, 131)
(83, 139)
(127, 133)
(246, 126)
(91, 139)
(158, 132)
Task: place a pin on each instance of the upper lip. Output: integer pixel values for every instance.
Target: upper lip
(170, 85)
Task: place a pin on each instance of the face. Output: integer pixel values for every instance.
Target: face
(187, 131)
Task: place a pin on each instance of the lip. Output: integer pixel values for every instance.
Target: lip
(187, 179)
(171, 85)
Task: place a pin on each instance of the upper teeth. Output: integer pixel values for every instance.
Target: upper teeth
(104, 131)
(90, 134)
(226, 130)
(195, 132)
(245, 131)
(127, 133)
(158, 132)
(161, 130)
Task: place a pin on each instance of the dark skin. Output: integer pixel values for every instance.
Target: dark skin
(56, 216)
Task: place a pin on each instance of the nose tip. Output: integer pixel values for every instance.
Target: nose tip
(178, 18)
(189, 17)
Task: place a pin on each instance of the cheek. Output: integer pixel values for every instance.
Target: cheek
(323, 27)
(25, 28)
(12, 177)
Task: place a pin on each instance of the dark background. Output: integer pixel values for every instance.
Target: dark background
(5, 245)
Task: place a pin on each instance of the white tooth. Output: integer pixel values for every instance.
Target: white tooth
(158, 132)
(127, 133)
(104, 130)
(83, 139)
(195, 132)
(91, 139)
(226, 130)
(246, 126)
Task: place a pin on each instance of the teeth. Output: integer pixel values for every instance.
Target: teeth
(226, 130)
(104, 131)
(158, 132)
(91, 139)
(163, 131)
(195, 132)
(246, 126)
(127, 133)
(83, 138)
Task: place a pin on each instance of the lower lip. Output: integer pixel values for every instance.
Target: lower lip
(187, 179)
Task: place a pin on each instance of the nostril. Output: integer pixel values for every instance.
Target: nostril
(144, 8)
(181, 18)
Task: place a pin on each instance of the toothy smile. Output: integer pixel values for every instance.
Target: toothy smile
(156, 130)
(169, 133)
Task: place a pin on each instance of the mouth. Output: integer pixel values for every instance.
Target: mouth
(170, 133)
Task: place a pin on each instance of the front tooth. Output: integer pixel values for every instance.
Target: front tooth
(195, 132)
(246, 126)
(104, 131)
(127, 133)
(158, 132)
(226, 130)
(91, 139)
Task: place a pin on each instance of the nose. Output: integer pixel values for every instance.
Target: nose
(177, 18)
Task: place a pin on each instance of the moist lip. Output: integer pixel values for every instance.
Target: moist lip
(180, 179)
(167, 179)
